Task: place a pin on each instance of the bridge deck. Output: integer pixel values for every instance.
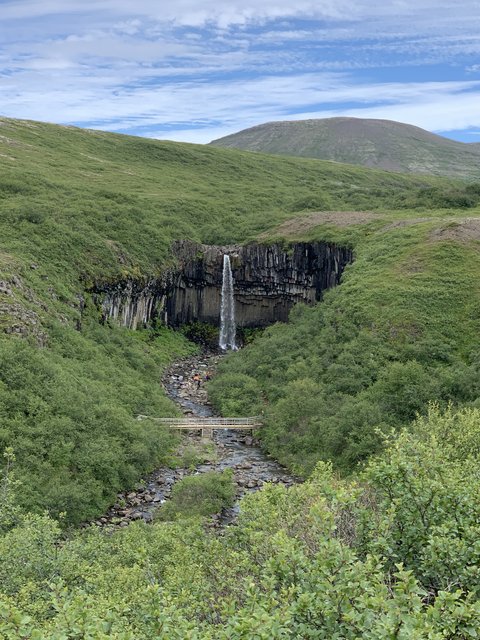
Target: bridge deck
(208, 424)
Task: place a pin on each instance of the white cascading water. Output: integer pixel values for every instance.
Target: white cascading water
(227, 309)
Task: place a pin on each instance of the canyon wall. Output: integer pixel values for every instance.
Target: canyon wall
(268, 280)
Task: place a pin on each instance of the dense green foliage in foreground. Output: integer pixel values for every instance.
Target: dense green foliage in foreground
(394, 554)
(69, 412)
(401, 330)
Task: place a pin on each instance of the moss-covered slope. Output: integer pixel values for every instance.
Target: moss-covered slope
(76, 206)
(400, 331)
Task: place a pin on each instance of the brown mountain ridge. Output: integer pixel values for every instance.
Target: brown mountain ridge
(381, 144)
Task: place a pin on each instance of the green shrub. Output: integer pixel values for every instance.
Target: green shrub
(201, 333)
(370, 356)
(200, 495)
(393, 553)
(238, 394)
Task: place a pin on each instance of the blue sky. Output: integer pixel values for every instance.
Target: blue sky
(195, 70)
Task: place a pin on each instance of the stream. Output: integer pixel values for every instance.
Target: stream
(232, 449)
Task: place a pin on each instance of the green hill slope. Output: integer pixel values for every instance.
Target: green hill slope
(77, 206)
(399, 332)
(382, 144)
(391, 552)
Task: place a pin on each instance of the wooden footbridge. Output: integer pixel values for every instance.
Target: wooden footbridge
(208, 425)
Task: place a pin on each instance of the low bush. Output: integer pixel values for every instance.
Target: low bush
(391, 554)
(202, 333)
(200, 495)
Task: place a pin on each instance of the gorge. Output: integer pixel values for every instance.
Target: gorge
(268, 280)
(372, 395)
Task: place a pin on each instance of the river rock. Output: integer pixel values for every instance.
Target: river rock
(251, 468)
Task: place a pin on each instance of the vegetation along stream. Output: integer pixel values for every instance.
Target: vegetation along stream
(238, 451)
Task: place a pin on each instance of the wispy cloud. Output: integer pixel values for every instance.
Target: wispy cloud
(430, 14)
(194, 71)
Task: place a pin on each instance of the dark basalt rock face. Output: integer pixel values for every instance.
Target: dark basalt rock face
(131, 303)
(268, 281)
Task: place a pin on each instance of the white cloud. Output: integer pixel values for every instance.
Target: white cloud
(188, 12)
(198, 111)
(430, 15)
(176, 63)
(439, 112)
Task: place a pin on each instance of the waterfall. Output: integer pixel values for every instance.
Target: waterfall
(227, 309)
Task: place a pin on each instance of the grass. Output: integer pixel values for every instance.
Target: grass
(199, 496)
(191, 454)
(400, 331)
(79, 207)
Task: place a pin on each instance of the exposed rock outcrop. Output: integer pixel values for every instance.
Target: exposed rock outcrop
(132, 303)
(19, 308)
(268, 280)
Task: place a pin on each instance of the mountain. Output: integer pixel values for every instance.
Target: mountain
(79, 207)
(381, 144)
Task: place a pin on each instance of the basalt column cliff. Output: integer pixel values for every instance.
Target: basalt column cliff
(268, 281)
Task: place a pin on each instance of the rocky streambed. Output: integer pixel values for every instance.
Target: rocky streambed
(230, 449)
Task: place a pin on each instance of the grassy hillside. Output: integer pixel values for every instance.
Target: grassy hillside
(391, 552)
(400, 331)
(383, 144)
(77, 206)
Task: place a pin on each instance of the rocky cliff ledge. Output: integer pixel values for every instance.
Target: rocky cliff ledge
(268, 281)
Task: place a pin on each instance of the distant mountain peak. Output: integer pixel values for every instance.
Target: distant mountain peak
(374, 143)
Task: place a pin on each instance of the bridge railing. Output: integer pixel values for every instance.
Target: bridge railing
(213, 422)
(210, 421)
